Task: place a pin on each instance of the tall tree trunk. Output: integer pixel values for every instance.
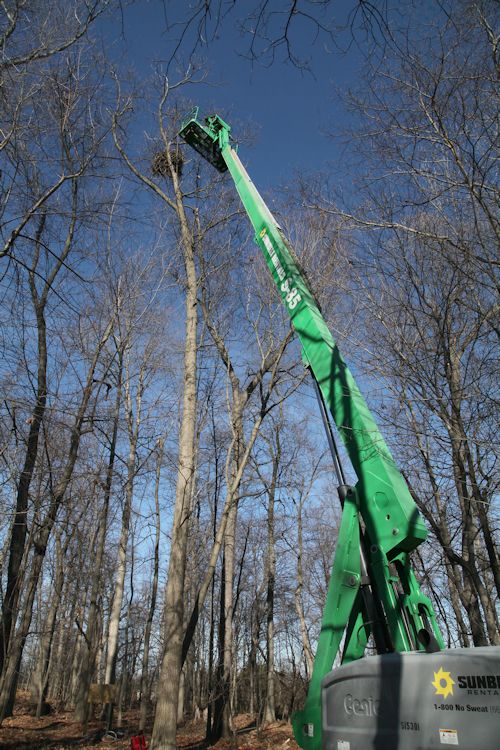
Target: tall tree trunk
(223, 719)
(58, 672)
(8, 681)
(473, 585)
(20, 524)
(238, 453)
(455, 584)
(229, 567)
(19, 529)
(133, 426)
(47, 639)
(144, 689)
(182, 696)
(211, 676)
(165, 724)
(90, 643)
(464, 586)
(215, 729)
(299, 606)
(252, 657)
(270, 707)
(125, 674)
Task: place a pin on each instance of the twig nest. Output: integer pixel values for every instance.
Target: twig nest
(162, 166)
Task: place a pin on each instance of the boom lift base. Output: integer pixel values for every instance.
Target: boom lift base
(414, 701)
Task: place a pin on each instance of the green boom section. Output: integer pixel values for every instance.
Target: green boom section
(388, 510)
(392, 524)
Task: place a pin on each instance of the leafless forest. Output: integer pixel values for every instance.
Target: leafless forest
(168, 510)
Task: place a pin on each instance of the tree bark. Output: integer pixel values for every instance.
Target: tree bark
(90, 643)
(299, 606)
(47, 639)
(144, 687)
(270, 706)
(20, 524)
(133, 426)
(165, 724)
(10, 673)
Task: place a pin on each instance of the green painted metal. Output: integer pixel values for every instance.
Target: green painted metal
(200, 137)
(343, 589)
(393, 525)
(387, 507)
(357, 634)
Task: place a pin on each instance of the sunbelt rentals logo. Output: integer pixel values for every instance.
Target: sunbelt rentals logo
(443, 683)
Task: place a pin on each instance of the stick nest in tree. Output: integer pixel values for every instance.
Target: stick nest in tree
(161, 164)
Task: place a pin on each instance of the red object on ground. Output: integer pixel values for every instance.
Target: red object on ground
(138, 742)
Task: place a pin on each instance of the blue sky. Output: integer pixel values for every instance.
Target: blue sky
(289, 110)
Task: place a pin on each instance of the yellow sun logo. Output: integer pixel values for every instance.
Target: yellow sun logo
(443, 683)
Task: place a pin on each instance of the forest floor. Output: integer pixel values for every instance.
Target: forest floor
(58, 731)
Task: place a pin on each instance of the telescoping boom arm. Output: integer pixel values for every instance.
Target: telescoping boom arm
(372, 590)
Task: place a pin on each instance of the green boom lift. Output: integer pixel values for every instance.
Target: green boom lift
(385, 701)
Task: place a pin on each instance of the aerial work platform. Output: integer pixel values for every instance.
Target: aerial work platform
(414, 694)
(204, 139)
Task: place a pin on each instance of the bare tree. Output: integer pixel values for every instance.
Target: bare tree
(134, 370)
(271, 488)
(31, 32)
(91, 640)
(58, 490)
(46, 202)
(145, 682)
(167, 169)
(428, 273)
(272, 32)
(272, 352)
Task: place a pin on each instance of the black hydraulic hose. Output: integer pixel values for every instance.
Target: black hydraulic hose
(373, 607)
(337, 464)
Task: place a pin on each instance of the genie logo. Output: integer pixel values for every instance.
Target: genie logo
(361, 706)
